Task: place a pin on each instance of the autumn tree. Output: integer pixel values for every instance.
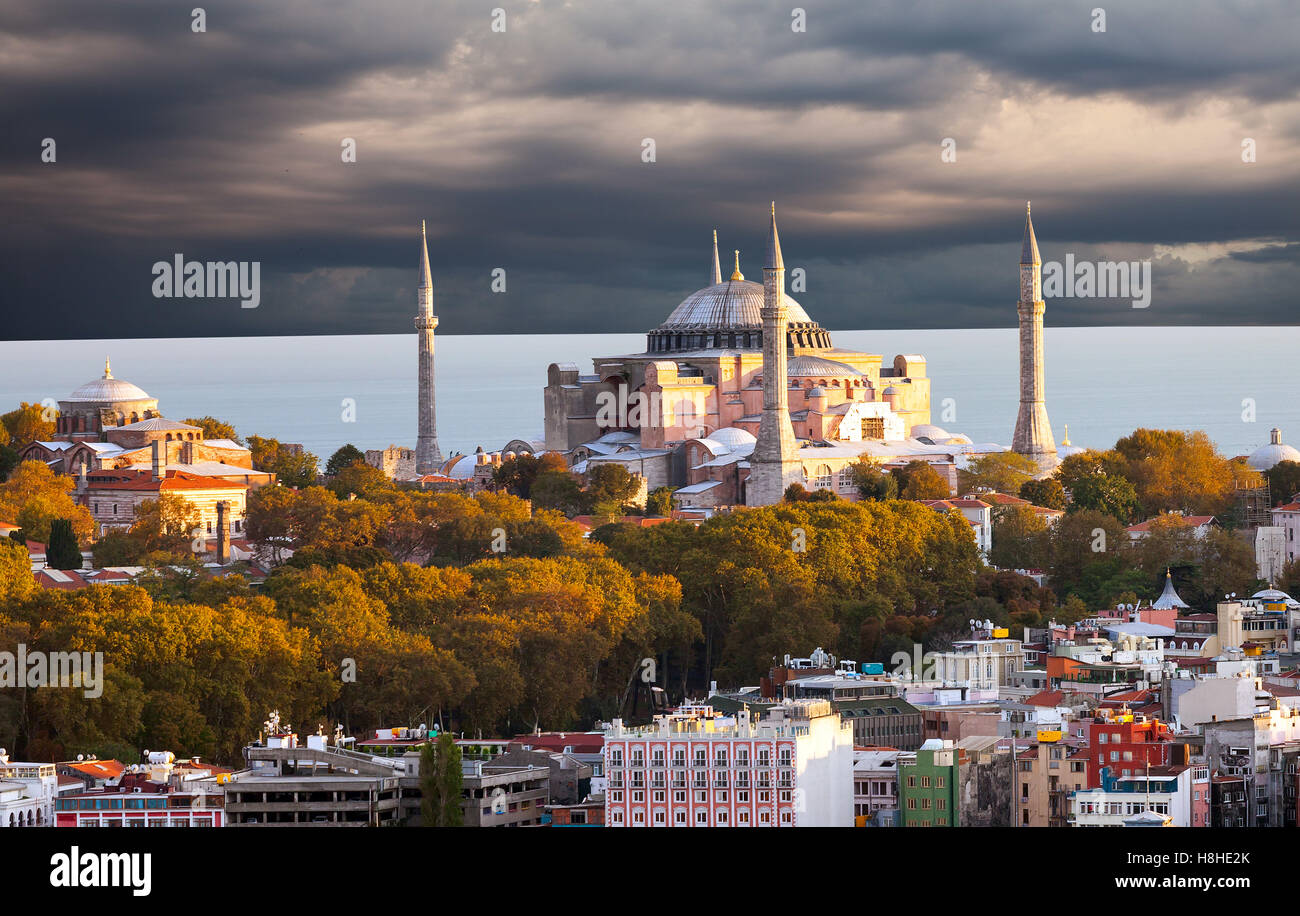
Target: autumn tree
(29, 423)
(1176, 470)
(918, 480)
(34, 496)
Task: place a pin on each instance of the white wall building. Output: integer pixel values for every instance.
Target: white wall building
(27, 793)
(793, 768)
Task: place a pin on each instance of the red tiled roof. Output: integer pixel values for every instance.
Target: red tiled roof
(143, 480)
(99, 769)
(1045, 698)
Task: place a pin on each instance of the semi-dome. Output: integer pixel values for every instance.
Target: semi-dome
(108, 390)
(819, 367)
(1266, 456)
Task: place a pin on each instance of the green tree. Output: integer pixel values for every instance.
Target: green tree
(610, 485)
(293, 467)
(558, 490)
(215, 429)
(62, 552)
(1047, 493)
(1001, 472)
(361, 480)
(441, 781)
(1102, 492)
(872, 482)
(660, 502)
(345, 457)
(1283, 481)
(1020, 539)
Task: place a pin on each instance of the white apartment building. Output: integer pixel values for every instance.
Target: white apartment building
(695, 768)
(27, 793)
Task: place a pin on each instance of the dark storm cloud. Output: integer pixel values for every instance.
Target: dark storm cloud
(523, 151)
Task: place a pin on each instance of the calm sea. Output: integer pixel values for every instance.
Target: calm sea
(1103, 382)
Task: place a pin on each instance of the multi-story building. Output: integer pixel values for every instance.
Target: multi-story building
(1258, 749)
(987, 662)
(928, 784)
(158, 793)
(27, 793)
(870, 703)
(875, 786)
(1179, 793)
(1127, 743)
(1044, 775)
(694, 768)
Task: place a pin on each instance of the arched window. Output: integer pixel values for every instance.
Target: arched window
(823, 476)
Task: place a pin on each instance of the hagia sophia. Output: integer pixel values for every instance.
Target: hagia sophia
(704, 384)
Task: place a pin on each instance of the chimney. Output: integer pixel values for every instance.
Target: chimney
(159, 459)
(223, 533)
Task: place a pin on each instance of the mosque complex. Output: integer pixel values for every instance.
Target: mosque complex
(717, 410)
(740, 393)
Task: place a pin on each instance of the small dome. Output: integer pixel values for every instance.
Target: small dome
(928, 430)
(959, 439)
(892, 390)
(1264, 457)
(818, 392)
(732, 436)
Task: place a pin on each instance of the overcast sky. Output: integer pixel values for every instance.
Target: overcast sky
(523, 150)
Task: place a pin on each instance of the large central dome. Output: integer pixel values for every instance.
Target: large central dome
(733, 304)
(728, 315)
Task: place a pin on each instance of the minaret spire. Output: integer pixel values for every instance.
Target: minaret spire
(427, 454)
(717, 268)
(426, 276)
(774, 463)
(1033, 436)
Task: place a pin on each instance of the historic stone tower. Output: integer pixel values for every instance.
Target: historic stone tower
(773, 464)
(1033, 437)
(427, 454)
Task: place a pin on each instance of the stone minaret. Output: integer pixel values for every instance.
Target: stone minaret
(716, 277)
(1033, 437)
(427, 454)
(774, 464)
